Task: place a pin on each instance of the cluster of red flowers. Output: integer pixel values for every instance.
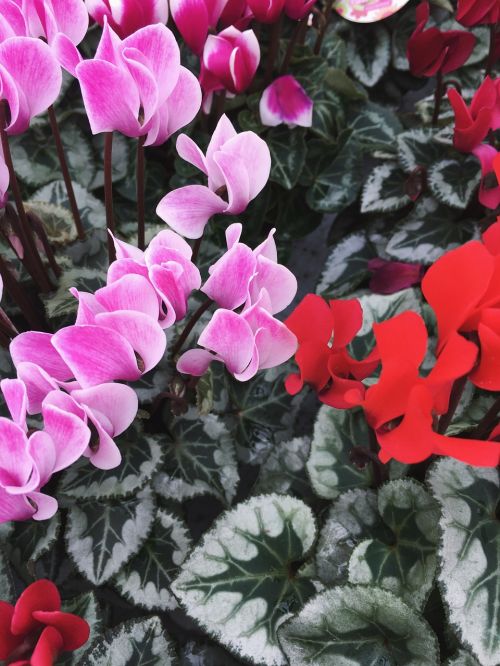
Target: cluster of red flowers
(409, 412)
(35, 631)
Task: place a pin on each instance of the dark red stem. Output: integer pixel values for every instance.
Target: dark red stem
(141, 206)
(190, 325)
(108, 191)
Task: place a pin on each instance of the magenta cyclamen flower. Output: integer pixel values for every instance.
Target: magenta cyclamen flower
(48, 18)
(229, 62)
(136, 86)
(245, 343)
(193, 19)
(489, 189)
(128, 16)
(30, 80)
(167, 265)
(241, 273)
(266, 11)
(286, 101)
(237, 167)
(298, 9)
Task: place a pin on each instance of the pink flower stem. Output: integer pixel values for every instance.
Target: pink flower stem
(108, 191)
(34, 261)
(65, 172)
(326, 16)
(140, 184)
(274, 47)
(298, 33)
(491, 55)
(189, 326)
(438, 96)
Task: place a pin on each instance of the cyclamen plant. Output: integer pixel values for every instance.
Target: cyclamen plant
(249, 332)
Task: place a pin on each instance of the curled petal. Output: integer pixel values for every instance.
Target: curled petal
(41, 595)
(285, 101)
(231, 338)
(131, 292)
(35, 347)
(17, 472)
(195, 362)
(69, 434)
(188, 209)
(16, 398)
(118, 403)
(230, 277)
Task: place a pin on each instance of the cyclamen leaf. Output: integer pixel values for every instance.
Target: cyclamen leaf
(368, 53)
(463, 659)
(31, 540)
(101, 538)
(241, 583)
(400, 554)
(200, 459)
(329, 466)
(346, 266)
(376, 127)
(470, 553)
(92, 210)
(417, 148)
(384, 190)
(288, 154)
(284, 470)
(142, 455)
(62, 303)
(84, 606)
(134, 643)
(145, 580)
(6, 586)
(361, 625)
(194, 654)
(57, 221)
(454, 181)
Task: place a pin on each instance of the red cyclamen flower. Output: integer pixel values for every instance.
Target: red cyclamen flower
(323, 332)
(35, 631)
(478, 12)
(392, 276)
(473, 123)
(433, 50)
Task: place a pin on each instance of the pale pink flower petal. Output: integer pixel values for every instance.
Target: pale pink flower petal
(16, 399)
(122, 267)
(253, 151)
(230, 277)
(17, 470)
(35, 347)
(231, 338)
(14, 507)
(131, 292)
(275, 342)
(48, 18)
(195, 362)
(189, 151)
(168, 283)
(43, 452)
(237, 179)
(127, 251)
(117, 403)
(285, 101)
(279, 283)
(46, 506)
(166, 240)
(66, 53)
(69, 433)
(188, 209)
(38, 383)
(12, 21)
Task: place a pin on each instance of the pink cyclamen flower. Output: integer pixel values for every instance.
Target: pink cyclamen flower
(266, 11)
(194, 18)
(136, 86)
(237, 166)
(48, 18)
(286, 101)
(238, 277)
(229, 62)
(167, 266)
(128, 16)
(28, 462)
(489, 189)
(245, 343)
(236, 13)
(388, 277)
(30, 80)
(298, 9)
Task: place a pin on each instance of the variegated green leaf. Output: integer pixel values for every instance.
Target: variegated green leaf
(91, 209)
(470, 553)
(6, 586)
(241, 582)
(400, 554)
(384, 190)
(284, 470)
(376, 127)
(288, 154)
(346, 266)
(195, 654)
(84, 606)
(463, 658)
(200, 459)
(32, 539)
(330, 467)
(416, 148)
(454, 181)
(349, 626)
(102, 537)
(368, 53)
(142, 456)
(135, 643)
(145, 580)
(57, 221)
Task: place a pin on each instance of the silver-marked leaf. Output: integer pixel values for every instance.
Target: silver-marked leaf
(241, 583)
(470, 553)
(454, 181)
(339, 183)
(463, 658)
(142, 456)
(401, 554)
(145, 580)
(32, 539)
(62, 303)
(57, 221)
(6, 586)
(472, 412)
(101, 538)
(352, 517)
(284, 470)
(429, 231)
(330, 468)
(288, 154)
(92, 210)
(350, 626)
(135, 643)
(384, 190)
(328, 113)
(87, 607)
(200, 459)
(194, 654)
(6, 530)
(346, 266)
(416, 148)
(368, 53)
(405, 25)
(376, 127)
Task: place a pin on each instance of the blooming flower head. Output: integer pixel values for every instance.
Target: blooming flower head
(237, 167)
(35, 630)
(323, 331)
(194, 18)
(298, 9)
(286, 101)
(266, 11)
(478, 12)
(433, 50)
(473, 123)
(136, 86)
(128, 16)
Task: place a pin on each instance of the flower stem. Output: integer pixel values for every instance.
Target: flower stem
(108, 191)
(274, 47)
(327, 15)
(21, 298)
(489, 420)
(438, 95)
(34, 261)
(491, 55)
(65, 172)
(141, 206)
(196, 249)
(296, 37)
(39, 229)
(456, 394)
(190, 325)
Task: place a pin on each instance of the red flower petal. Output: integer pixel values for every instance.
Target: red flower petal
(8, 642)
(311, 320)
(48, 648)
(74, 631)
(42, 595)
